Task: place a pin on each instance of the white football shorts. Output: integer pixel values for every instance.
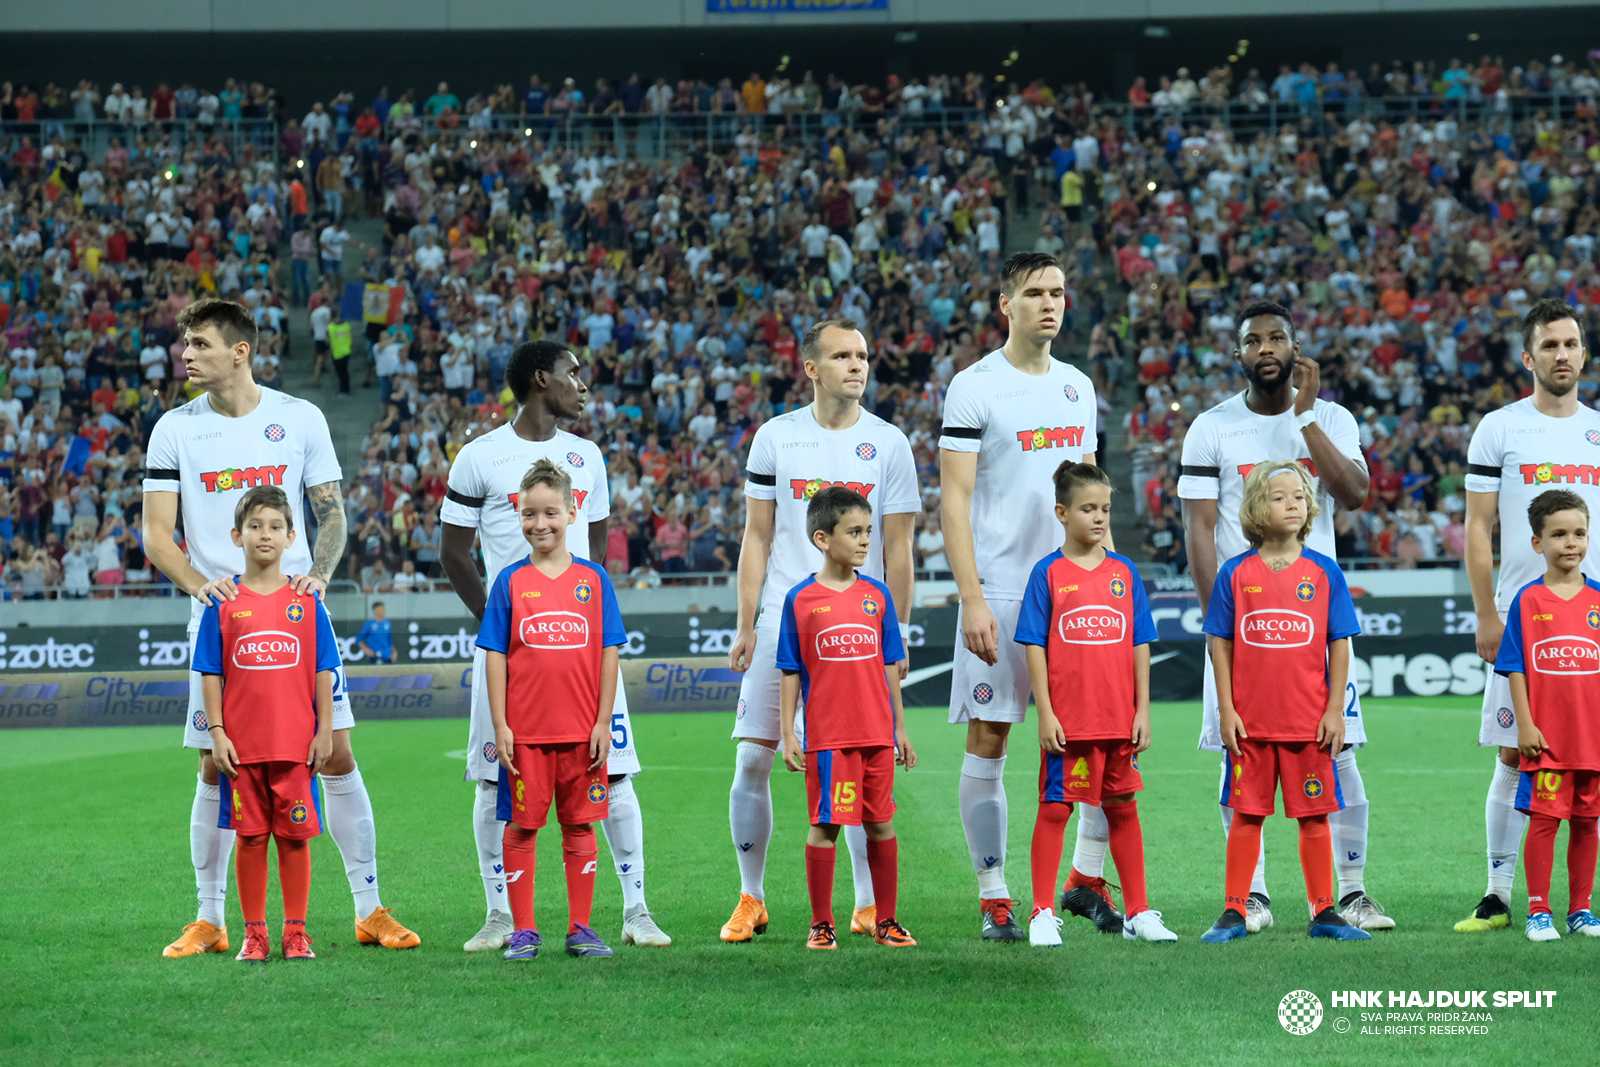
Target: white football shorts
(1499, 725)
(992, 694)
(756, 717)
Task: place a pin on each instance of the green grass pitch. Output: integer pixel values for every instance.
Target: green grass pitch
(95, 876)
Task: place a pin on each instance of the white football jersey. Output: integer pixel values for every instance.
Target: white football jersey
(1227, 441)
(1519, 452)
(209, 460)
(792, 457)
(1022, 426)
(487, 476)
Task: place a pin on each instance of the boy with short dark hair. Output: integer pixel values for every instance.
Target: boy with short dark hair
(838, 647)
(1550, 654)
(1087, 628)
(550, 633)
(267, 659)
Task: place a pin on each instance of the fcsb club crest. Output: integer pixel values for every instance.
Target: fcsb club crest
(869, 606)
(296, 612)
(866, 450)
(297, 814)
(273, 433)
(583, 593)
(1593, 618)
(597, 792)
(574, 459)
(1305, 591)
(1070, 393)
(1118, 587)
(1313, 786)
(982, 693)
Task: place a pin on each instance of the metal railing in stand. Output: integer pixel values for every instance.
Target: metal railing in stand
(163, 141)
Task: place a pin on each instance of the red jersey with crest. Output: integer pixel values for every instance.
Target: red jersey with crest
(1556, 644)
(839, 642)
(1281, 624)
(268, 650)
(1088, 622)
(553, 632)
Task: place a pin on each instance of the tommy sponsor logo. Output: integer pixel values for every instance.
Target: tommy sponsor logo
(242, 477)
(1050, 437)
(1092, 624)
(1549, 473)
(847, 641)
(806, 488)
(578, 497)
(1246, 468)
(267, 650)
(1567, 655)
(560, 630)
(1276, 628)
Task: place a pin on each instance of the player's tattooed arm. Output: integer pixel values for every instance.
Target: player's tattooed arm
(327, 506)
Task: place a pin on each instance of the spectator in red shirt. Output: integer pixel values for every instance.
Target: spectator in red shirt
(161, 102)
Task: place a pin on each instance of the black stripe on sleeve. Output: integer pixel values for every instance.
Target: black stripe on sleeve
(961, 431)
(762, 479)
(161, 475)
(1201, 472)
(1483, 470)
(464, 500)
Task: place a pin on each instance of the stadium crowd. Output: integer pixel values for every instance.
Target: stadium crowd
(1405, 238)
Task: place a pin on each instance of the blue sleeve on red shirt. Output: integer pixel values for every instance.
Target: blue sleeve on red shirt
(1144, 625)
(614, 631)
(1033, 619)
(327, 642)
(1219, 613)
(494, 633)
(894, 649)
(789, 632)
(1510, 658)
(1342, 621)
(208, 642)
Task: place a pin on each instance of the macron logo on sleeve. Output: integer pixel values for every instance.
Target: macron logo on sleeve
(851, 640)
(269, 650)
(558, 630)
(1276, 628)
(1566, 655)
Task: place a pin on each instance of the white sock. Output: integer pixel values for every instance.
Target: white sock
(489, 834)
(1258, 881)
(624, 830)
(750, 815)
(1349, 827)
(983, 817)
(349, 813)
(1094, 837)
(209, 849)
(1505, 826)
(855, 837)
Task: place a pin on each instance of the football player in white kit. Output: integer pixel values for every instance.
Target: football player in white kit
(1009, 421)
(1546, 441)
(1271, 420)
(481, 502)
(202, 455)
(831, 441)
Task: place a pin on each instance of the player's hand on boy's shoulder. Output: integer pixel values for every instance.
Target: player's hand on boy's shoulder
(217, 591)
(304, 584)
(505, 744)
(223, 754)
(1052, 738)
(1141, 731)
(905, 755)
(321, 751)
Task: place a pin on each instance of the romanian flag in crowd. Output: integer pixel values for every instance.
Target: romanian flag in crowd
(383, 304)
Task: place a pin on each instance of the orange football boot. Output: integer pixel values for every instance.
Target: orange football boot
(382, 928)
(199, 936)
(822, 936)
(296, 945)
(257, 947)
(864, 921)
(748, 919)
(891, 933)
